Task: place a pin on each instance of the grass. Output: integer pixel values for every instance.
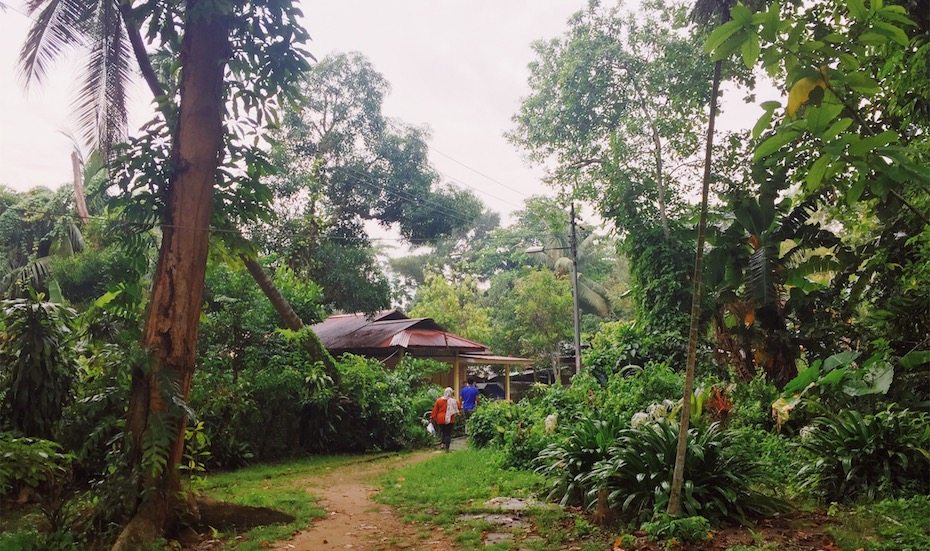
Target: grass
(277, 486)
(438, 491)
(888, 525)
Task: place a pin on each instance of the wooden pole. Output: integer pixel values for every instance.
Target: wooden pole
(456, 378)
(507, 382)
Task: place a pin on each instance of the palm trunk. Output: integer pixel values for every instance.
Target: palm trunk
(170, 333)
(80, 203)
(674, 502)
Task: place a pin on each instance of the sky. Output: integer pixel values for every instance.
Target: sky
(458, 67)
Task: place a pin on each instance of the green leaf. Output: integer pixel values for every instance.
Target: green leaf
(774, 143)
(855, 191)
(816, 172)
(842, 359)
(873, 38)
(741, 14)
(857, 9)
(915, 358)
(833, 377)
(863, 83)
(868, 144)
(750, 50)
(836, 128)
(762, 124)
(803, 379)
(891, 31)
(819, 117)
(720, 35)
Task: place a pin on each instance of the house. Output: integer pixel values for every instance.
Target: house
(390, 335)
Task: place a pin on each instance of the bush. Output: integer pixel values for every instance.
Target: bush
(619, 344)
(29, 463)
(489, 424)
(752, 403)
(634, 390)
(773, 450)
(566, 464)
(684, 529)
(857, 455)
(718, 485)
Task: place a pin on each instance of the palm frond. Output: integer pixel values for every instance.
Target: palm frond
(594, 296)
(101, 102)
(58, 27)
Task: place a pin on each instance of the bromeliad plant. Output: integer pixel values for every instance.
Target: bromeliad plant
(566, 464)
(719, 485)
(867, 455)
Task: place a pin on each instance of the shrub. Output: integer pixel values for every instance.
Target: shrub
(567, 463)
(774, 450)
(752, 403)
(619, 344)
(634, 390)
(684, 529)
(29, 463)
(489, 424)
(718, 485)
(858, 455)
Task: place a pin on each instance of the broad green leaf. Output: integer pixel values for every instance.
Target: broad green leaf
(770, 105)
(720, 35)
(803, 379)
(848, 62)
(915, 358)
(836, 128)
(861, 82)
(855, 191)
(741, 14)
(897, 14)
(833, 377)
(891, 31)
(819, 117)
(868, 144)
(857, 9)
(750, 50)
(774, 143)
(817, 170)
(873, 38)
(842, 359)
(762, 123)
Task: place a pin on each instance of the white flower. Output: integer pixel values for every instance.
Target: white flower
(640, 419)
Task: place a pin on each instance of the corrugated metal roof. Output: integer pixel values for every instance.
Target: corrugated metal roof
(388, 329)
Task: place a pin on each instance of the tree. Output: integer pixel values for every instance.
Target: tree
(615, 107)
(38, 363)
(344, 164)
(188, 145)
(706, 9)
(531, 315)
(456, 306)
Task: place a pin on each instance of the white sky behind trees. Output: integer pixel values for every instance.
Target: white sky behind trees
(458, 67)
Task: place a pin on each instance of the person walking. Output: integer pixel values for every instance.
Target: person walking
(444, 411)
(470, 395)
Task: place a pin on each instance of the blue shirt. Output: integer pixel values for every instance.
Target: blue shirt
(469, 397)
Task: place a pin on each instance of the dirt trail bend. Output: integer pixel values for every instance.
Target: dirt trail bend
(354, 520)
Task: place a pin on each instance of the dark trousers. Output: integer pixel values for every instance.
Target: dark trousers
(445, 434)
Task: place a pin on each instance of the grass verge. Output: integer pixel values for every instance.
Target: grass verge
(887, 525)
(438, 492)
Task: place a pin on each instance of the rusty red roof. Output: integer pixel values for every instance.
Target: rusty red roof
(387, 330)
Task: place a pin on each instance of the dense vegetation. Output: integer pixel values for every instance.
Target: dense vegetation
(813, 329)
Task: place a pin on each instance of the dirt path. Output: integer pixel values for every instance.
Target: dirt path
(354, 519)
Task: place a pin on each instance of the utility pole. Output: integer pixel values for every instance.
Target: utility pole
(575, 311)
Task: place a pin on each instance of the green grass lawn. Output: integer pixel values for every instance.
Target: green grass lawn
(438, 491)
(277, 486)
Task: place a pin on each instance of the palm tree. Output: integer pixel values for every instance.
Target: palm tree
(593, 296)
(704, 11)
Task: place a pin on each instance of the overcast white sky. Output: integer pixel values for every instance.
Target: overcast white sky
(458, 67)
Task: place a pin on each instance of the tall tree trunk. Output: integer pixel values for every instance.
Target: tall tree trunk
(80, 203)
(674, 502)
(660, 181)
(310, 342)
(170, 333)
(290, 318)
